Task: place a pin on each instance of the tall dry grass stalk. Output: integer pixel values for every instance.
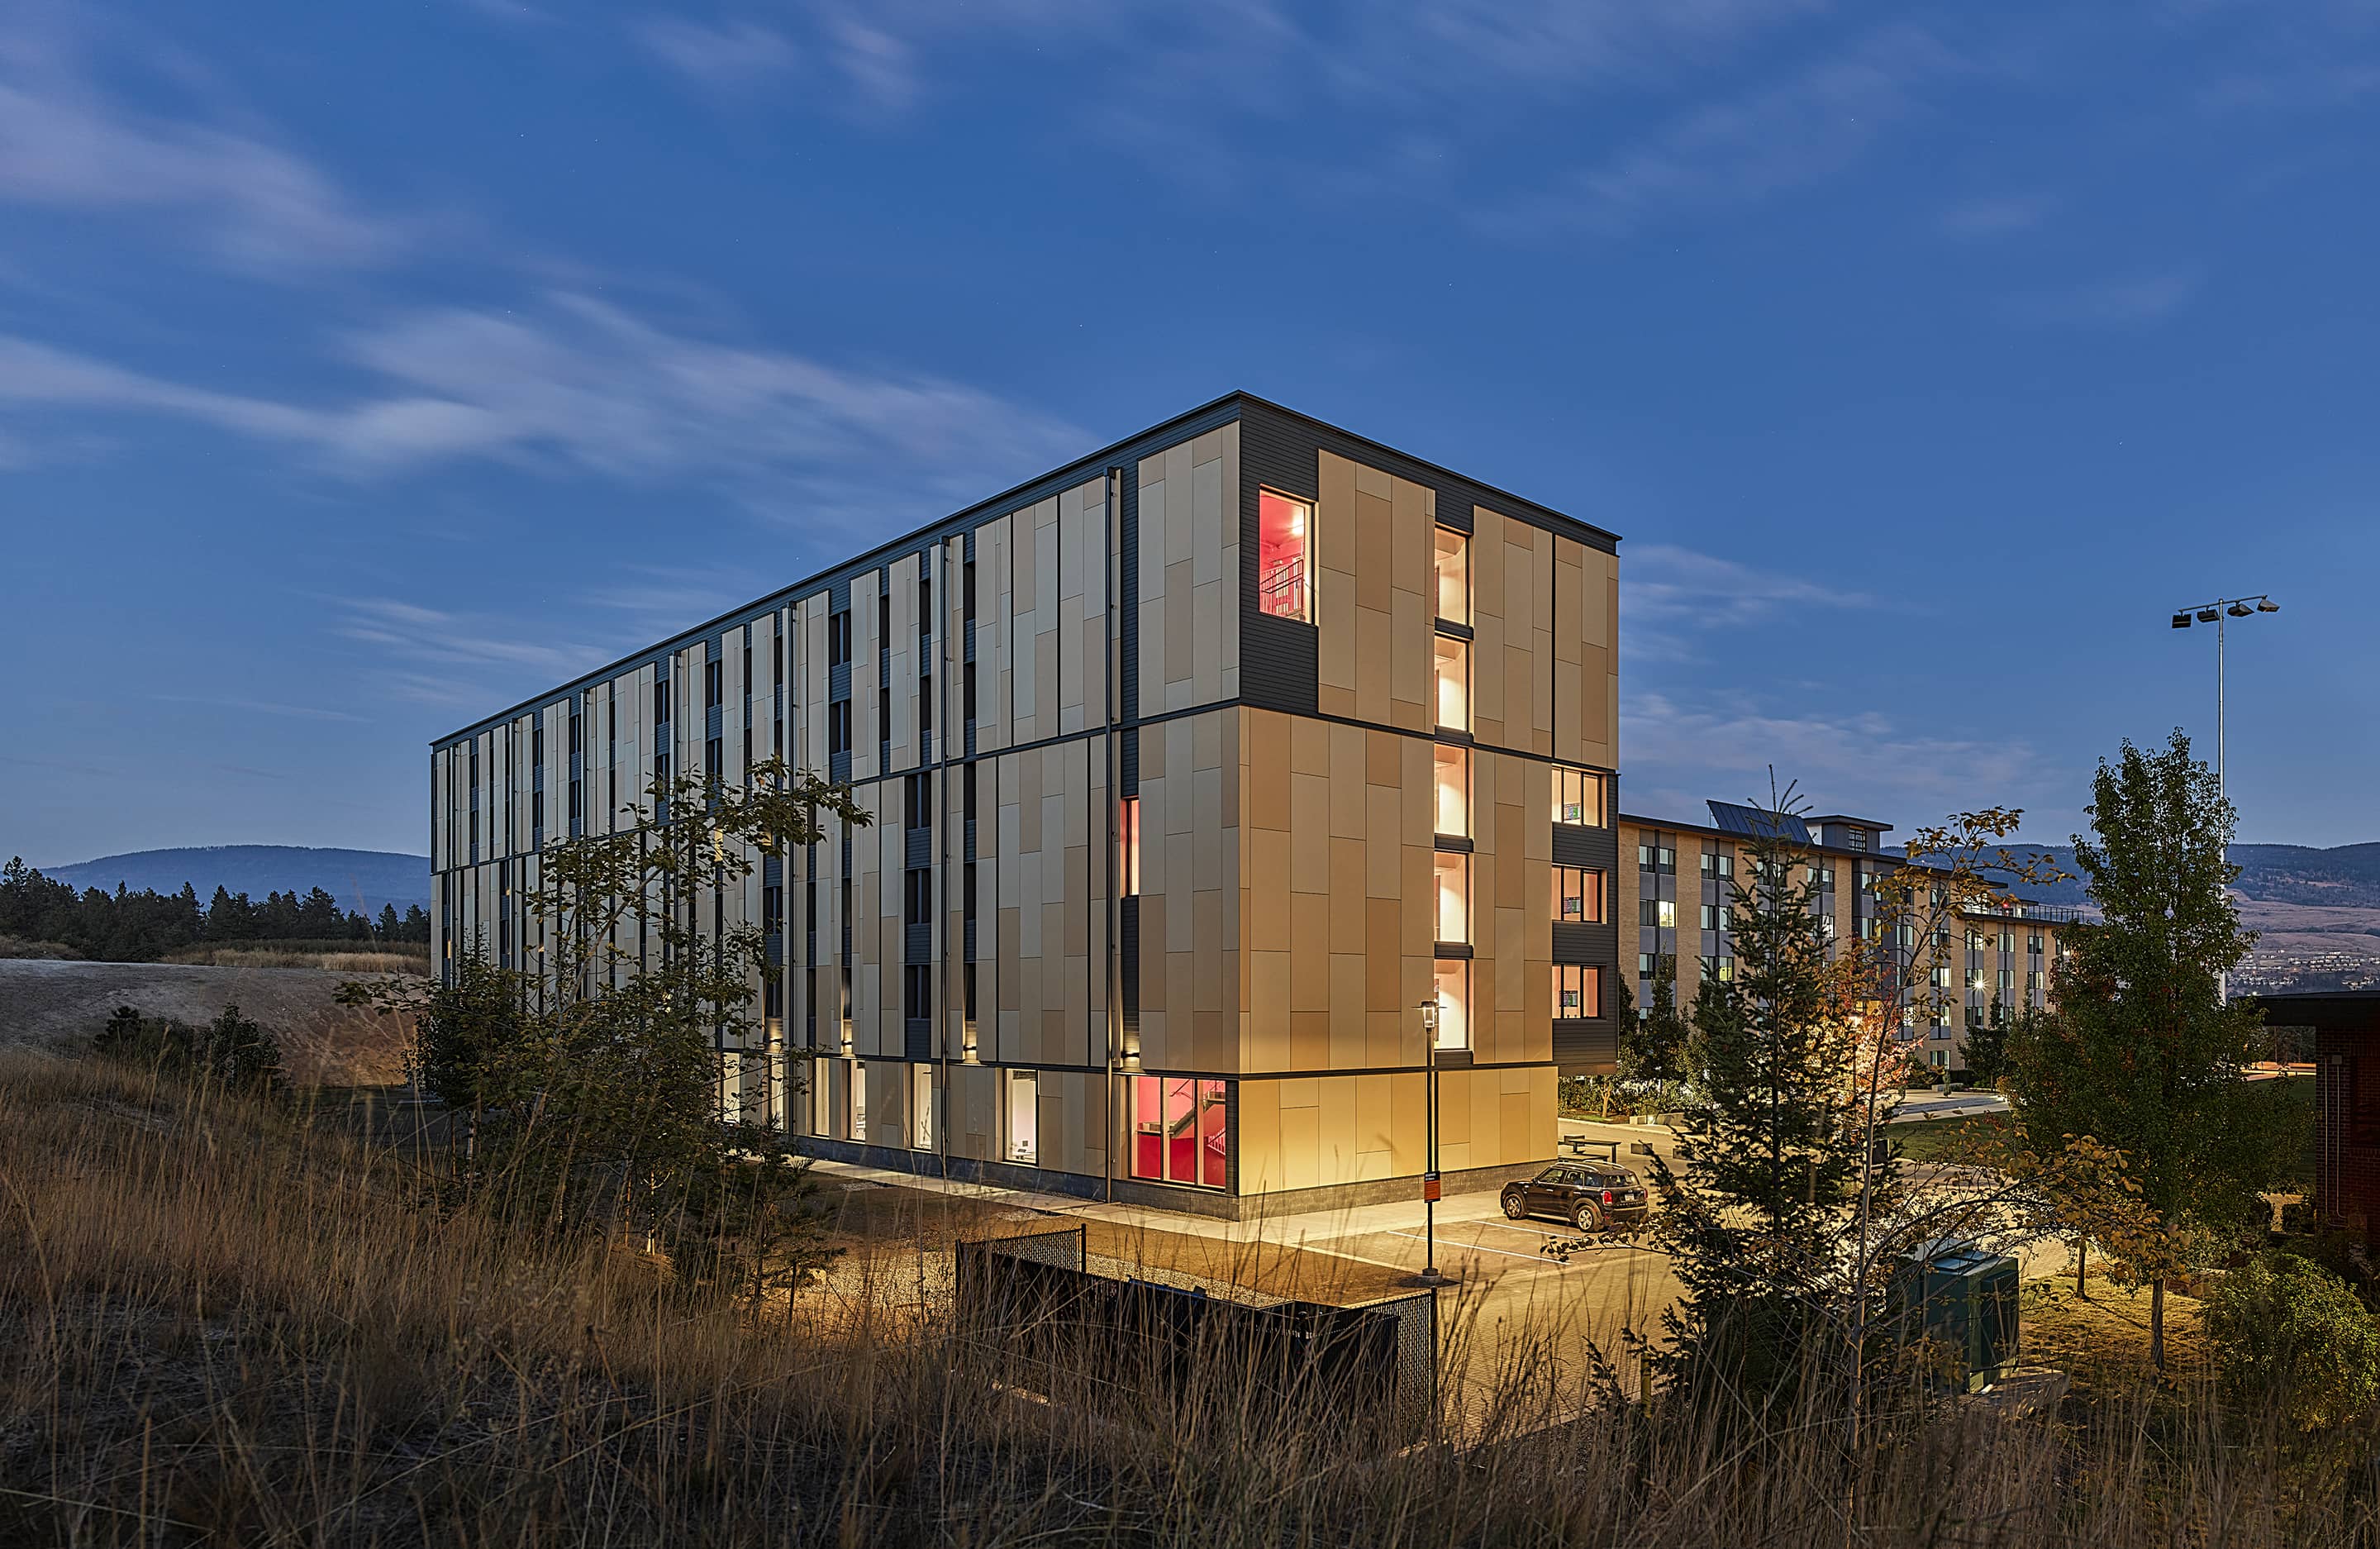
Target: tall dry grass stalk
(365, 960)
(229, 1323)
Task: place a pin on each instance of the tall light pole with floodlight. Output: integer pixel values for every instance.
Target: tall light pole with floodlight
(2215, 612)
(1430, 1182)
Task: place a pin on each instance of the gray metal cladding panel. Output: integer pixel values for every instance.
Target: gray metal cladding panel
(967, 944)
(1576, 846)
(917, 847)
(838, 767)
(1586, 943)
(838, 681)
(1587, 1047)
(916, 944)
(1128, 572)
(772, 871)
(917, 1038)
(1279, 659)
(1128, 763)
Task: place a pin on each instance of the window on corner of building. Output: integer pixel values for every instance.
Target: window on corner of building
(1285, 554)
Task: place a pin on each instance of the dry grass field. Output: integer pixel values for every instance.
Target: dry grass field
(230, 1323)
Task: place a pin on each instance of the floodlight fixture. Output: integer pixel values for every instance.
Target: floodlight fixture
(2239, 610)
(2208, 616)
(2265, 604)
(2181, 621)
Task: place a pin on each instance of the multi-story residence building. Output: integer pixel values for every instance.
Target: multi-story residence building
(1199, 767)
(1676, 879)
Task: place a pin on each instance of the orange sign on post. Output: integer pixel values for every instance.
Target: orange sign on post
(1430, 1188)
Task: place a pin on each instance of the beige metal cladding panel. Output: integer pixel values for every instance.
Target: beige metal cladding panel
(974, 1111)
(690, 721)
(808, 693)
(1214, 519)
(441, 848)
(1258, 1125)
(1081, 604)
(901, 661)
(1335, 586)
(1229, 591)
(1049, 611)
(1156, 533)
(992, 625)
(866, 630)
(1570, 644)
(1488, 627)
(890, 842)
(731, 705)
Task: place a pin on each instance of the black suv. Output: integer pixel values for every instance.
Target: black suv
(1591, 1196)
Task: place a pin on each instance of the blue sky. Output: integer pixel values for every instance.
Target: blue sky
(366, 369)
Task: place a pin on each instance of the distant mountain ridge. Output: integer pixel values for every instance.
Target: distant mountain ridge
(2344, 876)
(362, 880)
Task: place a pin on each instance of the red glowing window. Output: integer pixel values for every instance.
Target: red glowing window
(1285, 536)
(1181, 1132)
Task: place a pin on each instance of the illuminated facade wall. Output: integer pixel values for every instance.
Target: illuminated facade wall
(1198, 767)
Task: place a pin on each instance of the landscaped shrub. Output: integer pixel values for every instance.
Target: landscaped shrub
(2285, 1331)
(231, 1049)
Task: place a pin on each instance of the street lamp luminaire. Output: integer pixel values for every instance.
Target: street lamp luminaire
(2214, 613)
(1431, 1184)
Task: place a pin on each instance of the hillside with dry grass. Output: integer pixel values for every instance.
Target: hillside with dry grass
(239, 1321)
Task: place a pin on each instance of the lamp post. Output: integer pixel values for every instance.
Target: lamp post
(1429, 1275)
(2214, 613)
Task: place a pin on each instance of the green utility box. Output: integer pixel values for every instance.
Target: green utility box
(1958, 1294)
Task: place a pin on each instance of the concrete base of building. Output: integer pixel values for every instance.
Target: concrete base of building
(1213, 1203)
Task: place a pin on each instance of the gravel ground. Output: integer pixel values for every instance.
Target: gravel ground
(59, 1006)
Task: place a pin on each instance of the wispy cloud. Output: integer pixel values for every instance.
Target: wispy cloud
(1995, 215)
(2134, 301)
(1850, 760)
(260, 707)
(66, 143)
(581, 384)
(731, 56)
(1668, 595)
(1790, 133)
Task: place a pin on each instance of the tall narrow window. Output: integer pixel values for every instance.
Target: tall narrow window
(1453, 911)
(1450, 985)
(1453, 683)
(1128, 847)
(1284, 533)
(858, 1068)
(1454, 772)
(1453, 577)
(1024, 1118)
(713, 688)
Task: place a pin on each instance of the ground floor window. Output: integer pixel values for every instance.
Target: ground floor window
(921, 1107)
(1181, 1131)
(858, 1073)
(821, 1095)
(1024, 1118)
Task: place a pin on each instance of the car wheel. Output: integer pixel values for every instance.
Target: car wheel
(1586, 1216)
(1515, 1207)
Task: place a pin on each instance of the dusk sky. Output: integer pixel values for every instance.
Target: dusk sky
(366, 369)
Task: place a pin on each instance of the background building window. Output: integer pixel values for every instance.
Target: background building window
(1578, 895)
(1024, 1118)
(1578, 992)
(1450, 983)
(1453, 577)
(1181, 1131)
(1284, 529)
(1578, 797)
(1128, 847)
(1453, 767)
(1453, 683)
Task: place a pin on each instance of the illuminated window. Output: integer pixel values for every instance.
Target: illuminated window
(1024, 1118)
(858, 1070)
(1283, 542)
(1578, 797)
(1181, 1131)
(1453, 577)
(1453, 767)
(921, 1107)
(1128, 847)
(1578, 992)
(1578, 895)
(1453, 683)
(1660, 913)
(1453, 912)
(1450, 983)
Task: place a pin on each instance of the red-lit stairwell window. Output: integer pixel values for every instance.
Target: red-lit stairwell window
(1284, 543)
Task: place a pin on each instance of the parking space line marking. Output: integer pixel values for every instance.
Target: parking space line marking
(1476, 1248)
